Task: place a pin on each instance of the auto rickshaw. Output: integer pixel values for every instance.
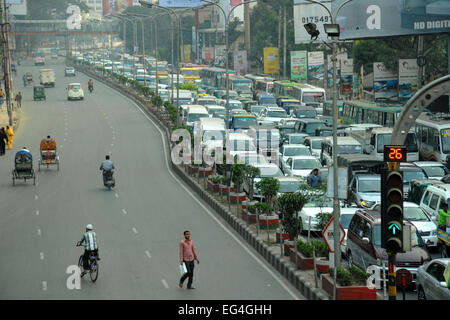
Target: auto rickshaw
(27, 79)
(38, 93)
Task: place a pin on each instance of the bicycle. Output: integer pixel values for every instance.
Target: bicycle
(92, 265)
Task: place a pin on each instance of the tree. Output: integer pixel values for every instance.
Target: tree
(269, 189)
(250, 174)
(290, 204)
(237, 174)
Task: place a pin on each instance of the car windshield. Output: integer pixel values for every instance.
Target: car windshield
(415, 214)
(369, 185)
(244, 122)
(235, 105)
(409, 175)
(243, 86)
(297, 139)
(270, 172)
(316, 144)
(289, 186)
(296, 151)
(319, 202)
(349, 149)
(255, 109)
(345, 220)
(312, 97)
(267, 100)
(206, 102)
(306, 164)
(445, 138)
(74, 87)
(305, 113)
(311, 127)
(277, 114)
(195, 116)
(211, 110)
(213, 135)
(242, 145)
(435, 171)
(385, 139)
(190, 73)
(221, 115)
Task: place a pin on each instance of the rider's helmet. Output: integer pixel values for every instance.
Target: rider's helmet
(107, 157)
(89, 227)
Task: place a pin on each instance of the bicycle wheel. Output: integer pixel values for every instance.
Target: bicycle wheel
(80, 264)
(93, 273)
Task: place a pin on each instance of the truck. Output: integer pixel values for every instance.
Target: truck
(47, 77)
(373, 141)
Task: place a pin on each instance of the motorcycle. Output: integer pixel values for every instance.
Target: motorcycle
(91, 88)
(108, 179)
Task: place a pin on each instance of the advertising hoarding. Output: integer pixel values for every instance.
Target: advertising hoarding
(271, 60)
(385, 83)
(380, 18)
(307, 12)
(220, 54)
(299, 65)
(316, 66)
(180, 3)
(240, 62)
(208, 54)
(111, 7)
(347, 76)
(340, 57)
(408, 74)
(17, 7)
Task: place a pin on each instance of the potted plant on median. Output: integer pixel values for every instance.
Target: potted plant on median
(249, 213)
(289, 205)
(269, 189)
(351, 284)
(305, 258)
(237, 176)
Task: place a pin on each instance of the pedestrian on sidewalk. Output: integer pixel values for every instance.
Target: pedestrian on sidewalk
(187, 256)
(3, 141)
(10, 134)
(18, 99)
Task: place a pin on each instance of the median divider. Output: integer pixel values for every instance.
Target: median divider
(285, 268)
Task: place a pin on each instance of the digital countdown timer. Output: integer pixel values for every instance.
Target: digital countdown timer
(395, 153)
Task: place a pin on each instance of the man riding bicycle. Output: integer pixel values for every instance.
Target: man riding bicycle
(90, 246)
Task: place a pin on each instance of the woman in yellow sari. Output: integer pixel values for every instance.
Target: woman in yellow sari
(10, 134)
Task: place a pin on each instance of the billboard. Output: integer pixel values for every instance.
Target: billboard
(380, 18)
(180, 3)
(240, 62)
(111, 7)
(17, 7)
(186, 52)
(408, 74)
(307, 12)
(385, 83)
(271, 60)
(208, 54)
(347, 76)
(220, 54)
(316, 66)
(299, 65)
(340, 57)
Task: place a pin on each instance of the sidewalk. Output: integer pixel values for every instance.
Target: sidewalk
(4, 119)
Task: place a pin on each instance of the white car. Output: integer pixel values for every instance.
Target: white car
(301, 166)
(292, 150)
(434, 169)
(346, 216)
(75, 91)
(273, 114)
(267, 170)
(425, 225)
(314, 206)
(315, 145)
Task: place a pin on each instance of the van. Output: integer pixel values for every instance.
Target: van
(308, 125)
(184, 97)
(266, 99)
(210, 129)
(213, 108)
(194, 113)
(289, 104)
(345, 145)
(433, 198)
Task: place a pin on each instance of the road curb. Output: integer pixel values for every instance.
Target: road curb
(285, 268)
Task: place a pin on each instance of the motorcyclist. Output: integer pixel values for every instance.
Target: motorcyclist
(90, 85)
(107, 166)
(90, 245)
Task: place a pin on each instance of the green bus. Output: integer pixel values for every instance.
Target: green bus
(283, 88)
(361, 111)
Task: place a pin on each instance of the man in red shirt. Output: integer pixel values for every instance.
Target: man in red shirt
(187, 256)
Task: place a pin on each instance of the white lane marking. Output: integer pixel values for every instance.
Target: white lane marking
(124, 211)
(116, 195)
(39, 232)
(37, 212)
(44, 285)
(36, 197)
(112, 144)
(134, 230)
(114, 138)
(238, 241)
(41, 255)
(148, 254)
(165, 283)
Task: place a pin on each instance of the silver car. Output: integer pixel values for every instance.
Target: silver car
(431, 284)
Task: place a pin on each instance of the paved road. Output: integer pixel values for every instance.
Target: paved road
(139, 224)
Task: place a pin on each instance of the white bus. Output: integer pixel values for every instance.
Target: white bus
(433, 136)
(309, 95)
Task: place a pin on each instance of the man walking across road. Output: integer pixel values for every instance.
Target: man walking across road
(187, 256)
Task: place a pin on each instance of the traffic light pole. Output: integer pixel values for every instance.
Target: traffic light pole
(392, 288)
